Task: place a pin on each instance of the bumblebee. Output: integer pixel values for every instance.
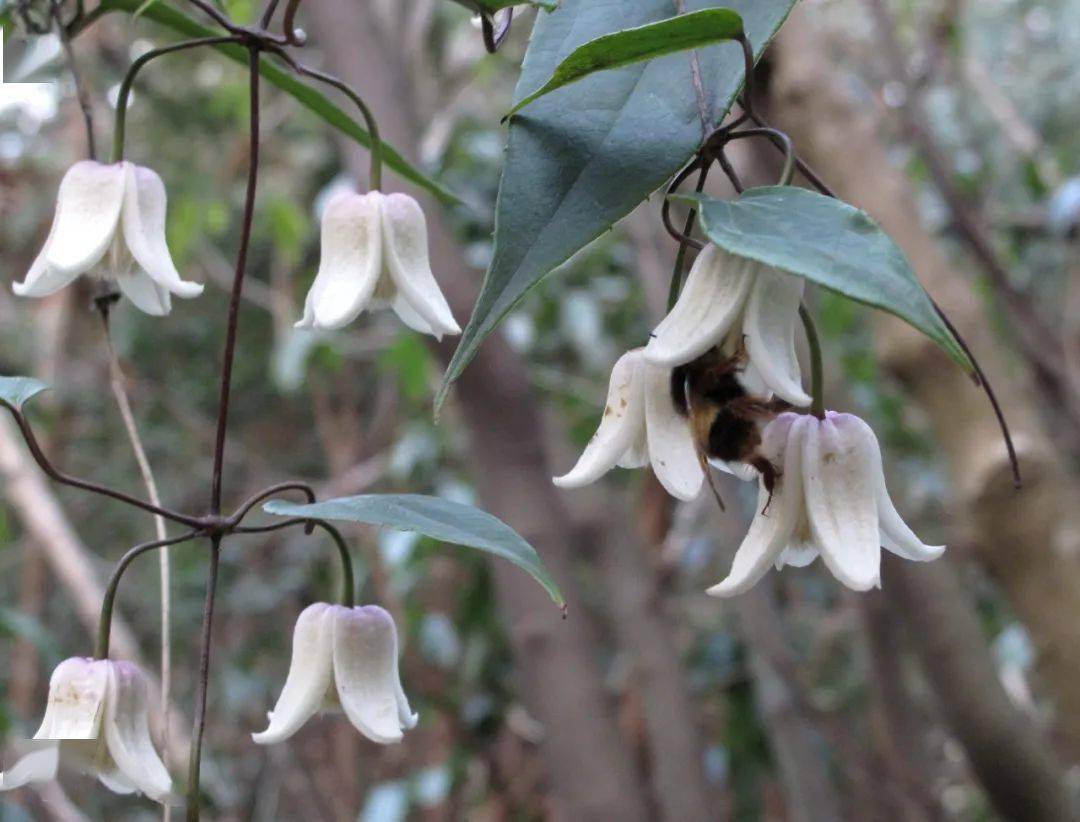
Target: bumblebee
(725, 419)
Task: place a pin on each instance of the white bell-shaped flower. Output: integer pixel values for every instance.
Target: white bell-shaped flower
(97, 720)
(343, 658)
(830, 500)
(728, 298)
(375, 255)
(640, 426)
(115, 211)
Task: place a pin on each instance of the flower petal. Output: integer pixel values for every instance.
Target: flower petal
(838, 462)
(143, 219)
(309, 678)
(770, 532)
(351, 258)
(407, 260)
(896, 536)
(87, 212)
(407, 314)
(620, 429)
(769, 324)
(39, 765)
(77, 696)
(672, 452)
(708, 307)
(366, 672)
(797, 556)
(144, 293)
(127, 734)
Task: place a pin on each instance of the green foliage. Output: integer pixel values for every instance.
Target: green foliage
(489, 6)
(623, 48)
(830, 243)
(584, 157)
(409, 360)
(434, 517)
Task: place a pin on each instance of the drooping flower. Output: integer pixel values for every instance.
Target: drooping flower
(347, 658)
(115, 211)
(831, 500)
(640, 426)
(375, 255)
(725, 300)
(97, 720)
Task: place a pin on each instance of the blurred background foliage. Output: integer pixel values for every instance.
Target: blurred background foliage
(350, 411)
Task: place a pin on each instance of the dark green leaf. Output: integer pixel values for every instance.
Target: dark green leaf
(14, 391)
(829, 243)
(623, 48)
(310, 98)
(433, 517)
(584, 157)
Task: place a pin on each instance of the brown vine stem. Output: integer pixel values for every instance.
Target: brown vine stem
(193, 792)
(116, 381)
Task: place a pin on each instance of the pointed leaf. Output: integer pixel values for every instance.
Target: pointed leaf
(434, 517)
(307, 96)
(623, 48)
(829, 243)
(584, 157)
(14, 391)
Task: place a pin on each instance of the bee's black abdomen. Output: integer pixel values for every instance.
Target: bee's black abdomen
(722, 389)
(731, 436)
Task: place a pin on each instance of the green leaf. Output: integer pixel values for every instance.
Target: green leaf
(830, 243)
(584, 157)
(135, 15)
(623, 48)
(433, 517)
(310, 98)
(14, 391)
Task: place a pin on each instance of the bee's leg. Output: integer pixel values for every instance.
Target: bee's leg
(709, 478)
(770, 477)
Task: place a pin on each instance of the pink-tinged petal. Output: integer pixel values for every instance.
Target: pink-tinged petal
(87, 213)
(127, 735)
(621, 426)
(772, 532)
(671, 445)
(896, 536)
(709, 306)
(39, 765)
(407, 260)
(77, 695)
(144, 293)
(772, 311)
(143, 220)
(840, 499)
(310, 675)
(366, 673)
(351, 259)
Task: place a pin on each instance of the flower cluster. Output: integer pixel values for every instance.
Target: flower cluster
(825, 494)
(110, 221)
(97, 717)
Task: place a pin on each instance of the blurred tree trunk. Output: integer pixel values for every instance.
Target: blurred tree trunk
(1020, 534)
(591, 766)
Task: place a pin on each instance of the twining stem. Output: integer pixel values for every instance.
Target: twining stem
(195, 760)
(124, 94)
(101, 649)
(817, 371)
(232, 325)
(348, 580)
(680, 257)
(376, 147)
